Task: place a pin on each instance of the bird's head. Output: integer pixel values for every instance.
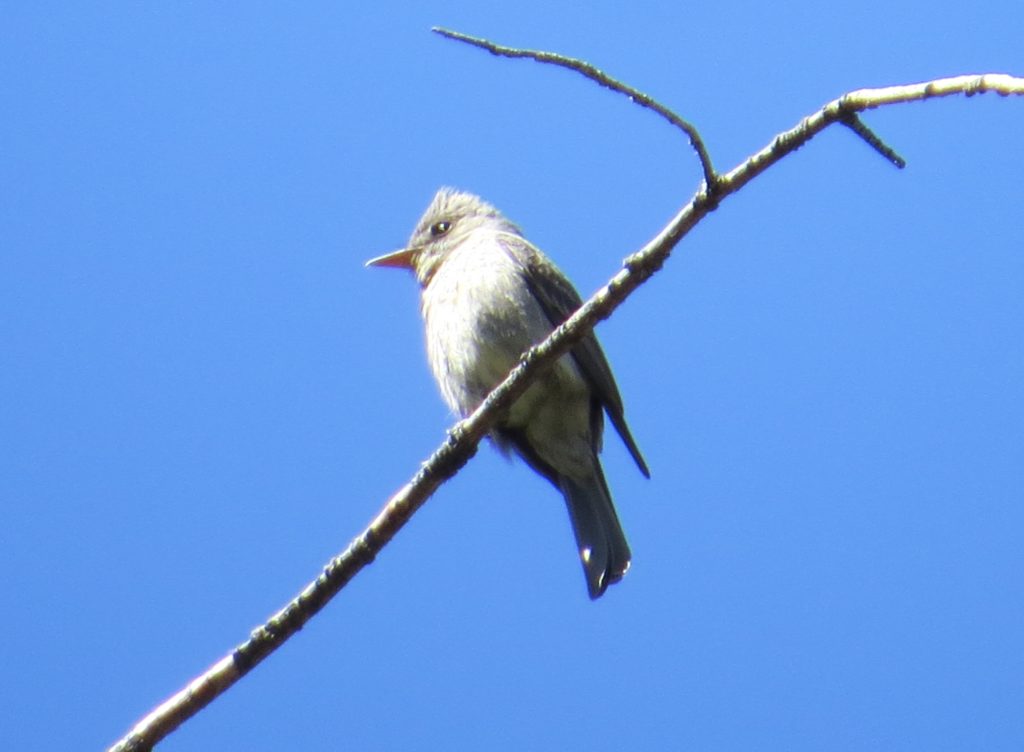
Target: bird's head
(451, 218)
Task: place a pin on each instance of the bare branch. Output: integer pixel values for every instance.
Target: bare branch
(603, 79)
(859, 101)
(464, 437)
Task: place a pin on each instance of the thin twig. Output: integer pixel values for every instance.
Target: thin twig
(855, 124)
(603, 79)
(466, 434)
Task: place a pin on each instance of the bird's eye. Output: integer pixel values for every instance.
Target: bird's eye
(440, 228)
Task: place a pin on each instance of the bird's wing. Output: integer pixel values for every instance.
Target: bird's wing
(559, 300)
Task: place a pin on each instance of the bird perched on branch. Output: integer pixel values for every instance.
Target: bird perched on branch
(488, 295)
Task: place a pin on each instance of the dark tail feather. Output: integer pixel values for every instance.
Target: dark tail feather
(604, 552)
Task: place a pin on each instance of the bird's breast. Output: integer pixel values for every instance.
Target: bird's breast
(480, 317)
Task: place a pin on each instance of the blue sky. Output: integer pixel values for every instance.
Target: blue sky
(207, 395)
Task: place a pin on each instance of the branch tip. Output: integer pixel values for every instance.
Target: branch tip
(852, 121)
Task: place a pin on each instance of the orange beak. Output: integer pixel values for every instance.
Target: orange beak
(403, 259)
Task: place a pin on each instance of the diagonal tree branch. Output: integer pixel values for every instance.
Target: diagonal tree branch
(464, 437)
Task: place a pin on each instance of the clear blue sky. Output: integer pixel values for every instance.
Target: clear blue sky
(206, 395)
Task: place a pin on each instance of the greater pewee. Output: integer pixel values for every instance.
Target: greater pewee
(488, 295)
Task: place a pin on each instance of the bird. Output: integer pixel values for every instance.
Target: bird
(487, 296)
